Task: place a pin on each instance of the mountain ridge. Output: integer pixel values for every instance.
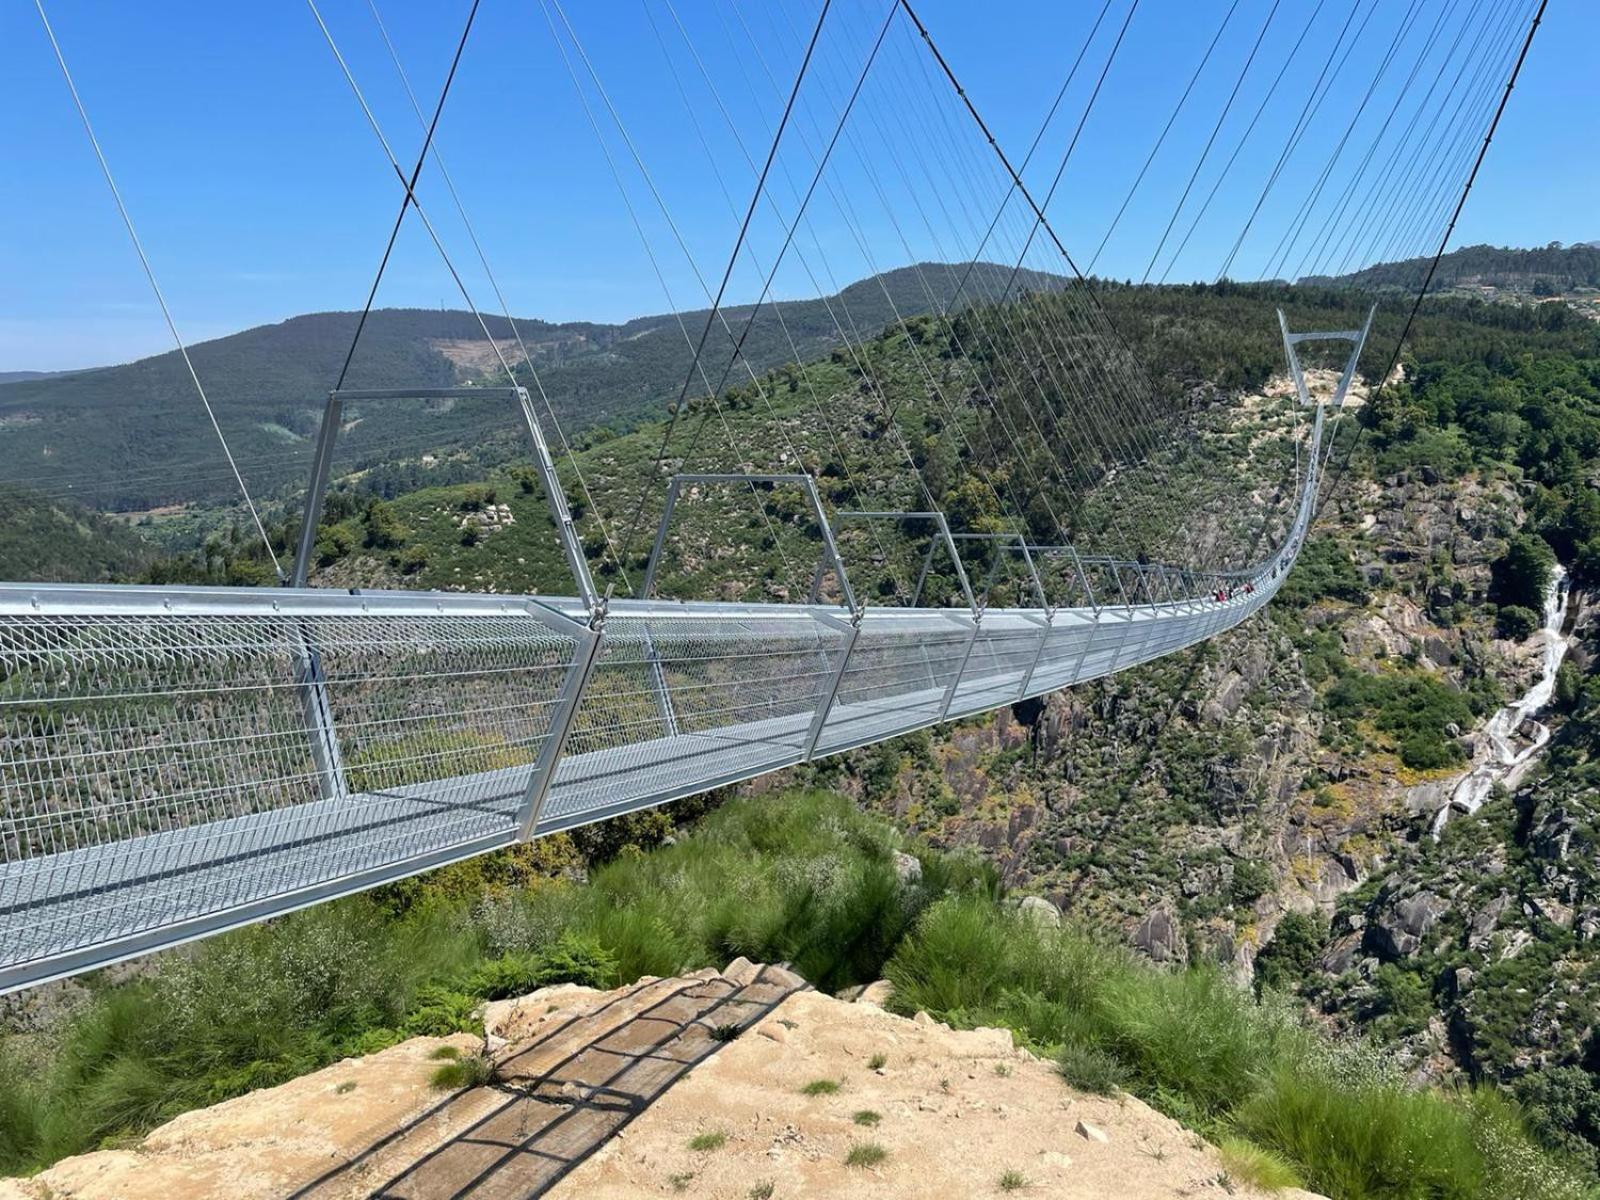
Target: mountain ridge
(268, 385)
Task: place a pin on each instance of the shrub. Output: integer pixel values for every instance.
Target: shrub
(1293, 950)
(1516, 622)
(412, 559)
(383, 528)
(1213, 1056)
(1091, 1069)
(1521, 575)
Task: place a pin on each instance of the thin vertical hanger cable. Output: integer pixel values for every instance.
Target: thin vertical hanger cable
(155, 287)
(1161, 138)
(789, 232)
(1308, 112)
(1353, 181)
(1439, 191)
(1250, 128)
(755, 199)
(1466, 190)
(859, 352)
(1449, 231)
(1424, 180)
(494, 284)
(1027, 195)
(1216, 129)
(1291, 235)
(650, 255)
(722, 185)
(1406, 167)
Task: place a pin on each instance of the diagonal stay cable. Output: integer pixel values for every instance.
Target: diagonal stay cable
(733, 258)
(789, 232)
(1150, 158)
(673, 307)
(1444, 240)
(410, 183)
(1216, 129)
(505, 307)
(149, 272)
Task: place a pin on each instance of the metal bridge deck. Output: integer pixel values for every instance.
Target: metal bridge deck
(159, 783)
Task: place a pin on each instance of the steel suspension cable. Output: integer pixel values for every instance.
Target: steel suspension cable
(1227, 167)
(1216, 129)
(649, 250)
(409, 183)
(155, 286)
(1161, 138)
(794, 350)
(1449, 231)
(505, 307)
(1308, 113)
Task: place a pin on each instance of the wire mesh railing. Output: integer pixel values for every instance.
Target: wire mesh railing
(178, 761)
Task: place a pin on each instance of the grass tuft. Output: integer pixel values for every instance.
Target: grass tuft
(1013, 1181)
(821, 1087)
(865, 1154)
(877, 1062)
(468, 1071)
(712, 1139)
(1259, 1168)
(866, 1117)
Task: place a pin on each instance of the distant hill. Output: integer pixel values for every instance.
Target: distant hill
(46, 542)
(1547, 271)
(134, 437)
(24, 376)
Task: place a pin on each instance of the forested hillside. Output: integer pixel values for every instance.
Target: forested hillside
(134, 437)
(63, 543)
(1548, 271)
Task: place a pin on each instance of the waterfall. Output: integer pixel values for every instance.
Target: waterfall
(1500, 758)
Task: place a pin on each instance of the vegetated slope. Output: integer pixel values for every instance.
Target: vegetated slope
(134, 437)
(1191, 803)
(47, 542)
(801, 877)
(1548, 270)
(1295, 764)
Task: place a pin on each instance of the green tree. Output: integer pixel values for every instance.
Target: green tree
(1522, 574)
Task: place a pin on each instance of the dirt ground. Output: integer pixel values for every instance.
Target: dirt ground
(954, 1114)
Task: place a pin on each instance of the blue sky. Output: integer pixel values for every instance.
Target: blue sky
(261, 192)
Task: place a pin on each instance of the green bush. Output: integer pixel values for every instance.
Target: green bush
(1417, 708)
(1516, 622)
(1521, 575)
(806, 878)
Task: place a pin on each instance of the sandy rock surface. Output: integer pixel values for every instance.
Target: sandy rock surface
(261, 1146)
(955, 1112)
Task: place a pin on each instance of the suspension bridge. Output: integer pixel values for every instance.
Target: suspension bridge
(177, 761)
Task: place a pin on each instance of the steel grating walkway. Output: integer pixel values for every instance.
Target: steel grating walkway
(159, 782)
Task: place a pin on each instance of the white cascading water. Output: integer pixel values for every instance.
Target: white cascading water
(1505, 753)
